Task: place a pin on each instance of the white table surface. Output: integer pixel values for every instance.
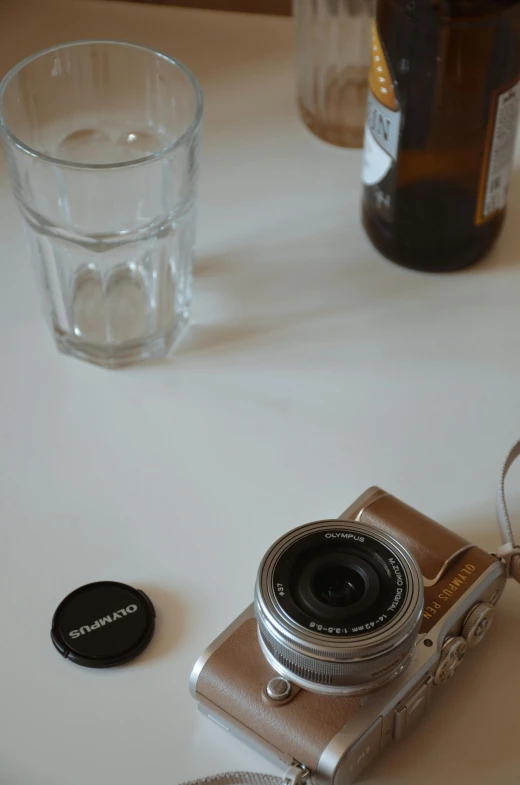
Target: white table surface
(313, 369)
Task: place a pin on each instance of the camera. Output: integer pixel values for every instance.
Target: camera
(356, 622)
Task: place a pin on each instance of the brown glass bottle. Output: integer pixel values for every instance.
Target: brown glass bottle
(441, 126)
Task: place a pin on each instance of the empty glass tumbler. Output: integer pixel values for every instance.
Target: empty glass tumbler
(332, 60)
(102, 145)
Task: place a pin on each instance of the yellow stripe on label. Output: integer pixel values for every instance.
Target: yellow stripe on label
(380, 79)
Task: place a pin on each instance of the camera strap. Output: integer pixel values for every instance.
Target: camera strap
(295, 775)
(509, 551)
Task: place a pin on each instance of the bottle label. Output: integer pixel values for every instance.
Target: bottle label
(381, 141)
(382, 127)
(499, 153)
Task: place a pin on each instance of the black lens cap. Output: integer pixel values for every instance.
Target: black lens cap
(103, 624)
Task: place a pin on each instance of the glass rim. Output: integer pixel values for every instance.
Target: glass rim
(189, 131)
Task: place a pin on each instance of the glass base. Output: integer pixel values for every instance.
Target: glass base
(129, 353)
(340, 135)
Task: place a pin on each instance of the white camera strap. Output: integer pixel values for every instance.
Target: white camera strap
(295, 775)
(509, 551)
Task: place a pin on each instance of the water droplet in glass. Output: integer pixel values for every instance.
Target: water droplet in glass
(140, 143)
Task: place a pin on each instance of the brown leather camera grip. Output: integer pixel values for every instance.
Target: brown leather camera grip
(234, 679)
(432, 545)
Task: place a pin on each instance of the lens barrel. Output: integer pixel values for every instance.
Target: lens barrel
(338, 605)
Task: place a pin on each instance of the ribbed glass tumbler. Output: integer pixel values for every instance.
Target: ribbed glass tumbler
(102, 145)
(332, 61)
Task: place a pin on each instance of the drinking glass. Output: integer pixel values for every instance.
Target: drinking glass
(102, 146)
(332, 64)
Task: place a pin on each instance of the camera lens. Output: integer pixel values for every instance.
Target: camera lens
(338, 586)
(338, 606)
(330, 583)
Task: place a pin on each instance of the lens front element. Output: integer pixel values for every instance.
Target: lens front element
(339, 606)
(338, 586)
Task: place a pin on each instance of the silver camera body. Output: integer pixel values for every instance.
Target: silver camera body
(356, 622)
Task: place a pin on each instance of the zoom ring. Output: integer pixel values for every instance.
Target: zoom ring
(326, 672)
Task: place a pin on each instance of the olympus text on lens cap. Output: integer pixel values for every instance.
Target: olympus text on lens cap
(103, 624)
